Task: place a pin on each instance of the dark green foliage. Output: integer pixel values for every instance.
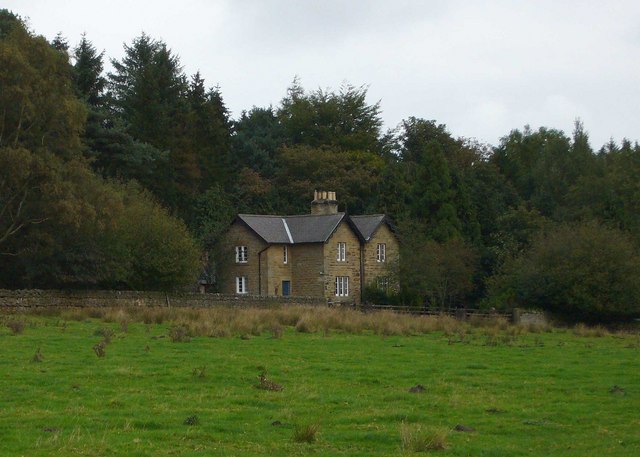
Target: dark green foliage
(168, 153)
(39, 110)
(87, 75)
(71, 228)
(580, 272)
(442, 273)
(353, 174)
(343, 120)
(9, 21)
(258, 136)
(212, 215)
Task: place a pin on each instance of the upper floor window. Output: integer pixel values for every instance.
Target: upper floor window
(242, 254)
(342, 286)
(381, 252)
(285, 254)
(241, 285)
(342, 252)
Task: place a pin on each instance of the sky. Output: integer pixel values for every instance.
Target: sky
(483, 68)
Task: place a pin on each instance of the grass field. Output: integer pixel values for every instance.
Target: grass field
(553, 392)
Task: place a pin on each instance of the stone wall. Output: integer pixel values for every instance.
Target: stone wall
(240, 235)
(350, 267)
(16, 299)
(276, 270)
(307, 270)
(529, 317)
(374, 269)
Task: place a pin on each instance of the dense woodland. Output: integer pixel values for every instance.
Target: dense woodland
(127, 179)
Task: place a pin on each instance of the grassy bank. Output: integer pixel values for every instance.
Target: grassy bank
(297, 382)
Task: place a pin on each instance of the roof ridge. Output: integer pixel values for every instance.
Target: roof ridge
(316, 215)
(290, 215)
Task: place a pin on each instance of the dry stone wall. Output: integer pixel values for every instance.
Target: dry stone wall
(58, 298)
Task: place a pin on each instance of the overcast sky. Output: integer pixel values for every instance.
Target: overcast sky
(482, 68)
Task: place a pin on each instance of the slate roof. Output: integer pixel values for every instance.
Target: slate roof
(367, 225)
(270, 228)
(309, 228)
(313, 228)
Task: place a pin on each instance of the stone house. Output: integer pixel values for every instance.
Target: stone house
(323, 254)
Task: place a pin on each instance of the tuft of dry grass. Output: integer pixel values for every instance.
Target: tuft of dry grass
(230, 321)
(584, 330)
(266, 384)
(179, 334)
(306, 433)
(100, 348)
(199, 372)
(16, 326)
(414, 438)
(37, 357)
(104, 332)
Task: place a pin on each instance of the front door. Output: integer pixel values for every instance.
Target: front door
(286, 288)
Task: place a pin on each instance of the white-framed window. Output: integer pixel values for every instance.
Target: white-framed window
(383, 283)
(285, 254)
(342, 252)
(242, 254)
(241, 285)
(381, 252)
(342, 286)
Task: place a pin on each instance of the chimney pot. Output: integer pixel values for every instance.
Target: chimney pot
(324, 202)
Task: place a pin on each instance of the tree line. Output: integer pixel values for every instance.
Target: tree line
(128, 179)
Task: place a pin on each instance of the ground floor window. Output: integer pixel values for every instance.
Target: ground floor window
(342, 286)
(383, 283)
(241, 284)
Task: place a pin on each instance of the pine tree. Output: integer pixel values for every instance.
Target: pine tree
(88, 67)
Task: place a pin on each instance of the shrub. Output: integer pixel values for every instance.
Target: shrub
(586, 272)
(306, 433)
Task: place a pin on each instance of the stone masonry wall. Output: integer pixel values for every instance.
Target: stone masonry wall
(277, 270)
(18, 299)
(307, 264)
(374, 269)
(350, 267)
(240, 235)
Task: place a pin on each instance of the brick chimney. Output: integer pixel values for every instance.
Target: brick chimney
(324, 202)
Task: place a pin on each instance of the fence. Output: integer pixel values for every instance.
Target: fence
(517, 316)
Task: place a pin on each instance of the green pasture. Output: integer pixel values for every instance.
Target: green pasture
(548, 394)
